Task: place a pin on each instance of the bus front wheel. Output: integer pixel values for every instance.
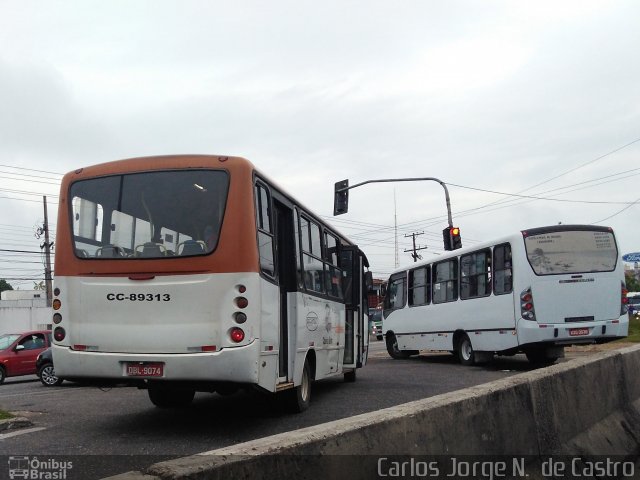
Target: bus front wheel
(465, 351)
(170, 398)
(394, 351)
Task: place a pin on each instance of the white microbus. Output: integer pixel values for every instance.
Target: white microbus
(534, 292)
(193, 273)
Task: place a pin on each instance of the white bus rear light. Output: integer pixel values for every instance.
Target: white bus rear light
(57, 304)
(59, 334)
(240, 317)
(85, 348)
(237, 334)
(242, 288)
(242, 302)
(57, 318)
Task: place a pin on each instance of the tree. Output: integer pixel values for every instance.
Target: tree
(632, 283)
(4, 285)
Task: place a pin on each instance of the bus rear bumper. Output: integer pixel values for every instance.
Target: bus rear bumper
(238, 365)
(530, 332)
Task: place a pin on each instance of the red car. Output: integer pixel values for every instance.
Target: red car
(19, 351)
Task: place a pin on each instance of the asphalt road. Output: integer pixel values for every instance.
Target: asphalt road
(111, 431)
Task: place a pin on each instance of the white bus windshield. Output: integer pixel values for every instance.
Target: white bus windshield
(148, 215)
(571, 251)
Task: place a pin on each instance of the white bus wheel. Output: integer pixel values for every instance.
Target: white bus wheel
(170, 398)
(297, 399)
(465, 351)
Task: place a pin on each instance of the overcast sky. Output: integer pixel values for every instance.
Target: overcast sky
(490, 95)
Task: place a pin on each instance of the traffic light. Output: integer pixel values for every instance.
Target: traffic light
(456, 239)
(451, 238)
(340, 198)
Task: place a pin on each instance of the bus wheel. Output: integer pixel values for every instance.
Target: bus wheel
(297, 399)
(394, 351)
(538, 358)
(170, 398)
(350, 376)
(465, 351)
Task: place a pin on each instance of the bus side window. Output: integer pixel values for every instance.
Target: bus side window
(265, 232)
(445, 281)
(420, 286)
(396, 293)
(502, 270)
(475, 274)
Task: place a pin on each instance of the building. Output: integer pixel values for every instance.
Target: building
(23, 310)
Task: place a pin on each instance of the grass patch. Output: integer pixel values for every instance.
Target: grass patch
(634, 330)
(4, 415)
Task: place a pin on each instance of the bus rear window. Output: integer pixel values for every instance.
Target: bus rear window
(148, 215)
(571, 251)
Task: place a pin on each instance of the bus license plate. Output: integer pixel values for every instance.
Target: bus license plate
(576, 332)
(144, 369)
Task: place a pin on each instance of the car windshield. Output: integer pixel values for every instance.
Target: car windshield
(634, 300)
(7, 339)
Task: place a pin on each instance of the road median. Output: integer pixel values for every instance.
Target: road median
(585, 407)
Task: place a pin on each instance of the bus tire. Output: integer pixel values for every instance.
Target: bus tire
(465, 351)
(350, 376)
(394, 351)
(538, 357)
(170, 398)
(297, 399)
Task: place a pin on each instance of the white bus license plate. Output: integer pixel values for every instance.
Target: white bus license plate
(144, 369)
(576, 332)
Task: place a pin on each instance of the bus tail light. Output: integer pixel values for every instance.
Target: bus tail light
(237, 334)
(59, 334)
(624, 300)
(526, 305)
(240, 317)
(242, 302)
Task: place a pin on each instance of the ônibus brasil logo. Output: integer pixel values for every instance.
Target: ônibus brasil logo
(36, 469)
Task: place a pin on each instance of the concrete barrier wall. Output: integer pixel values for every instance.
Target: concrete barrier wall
(588, 406)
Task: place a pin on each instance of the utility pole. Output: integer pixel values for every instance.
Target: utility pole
(395, 229)
(47, 254)
(415, 248)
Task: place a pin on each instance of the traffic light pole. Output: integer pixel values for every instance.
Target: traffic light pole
(343, 188)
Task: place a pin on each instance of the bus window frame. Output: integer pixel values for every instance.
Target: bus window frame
(259, 184)
(495, 271)
(456, 289)
(387, 301)
(427, 286)
(488, 271)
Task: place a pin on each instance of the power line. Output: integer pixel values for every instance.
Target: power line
(31, 170)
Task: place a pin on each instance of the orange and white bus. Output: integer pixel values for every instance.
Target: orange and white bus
(191, 273)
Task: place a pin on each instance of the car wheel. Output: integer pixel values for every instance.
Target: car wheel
(170, 397)
(465, 351)
(3, 374)
(48, 376)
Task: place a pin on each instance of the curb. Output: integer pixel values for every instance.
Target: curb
(15, 423)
